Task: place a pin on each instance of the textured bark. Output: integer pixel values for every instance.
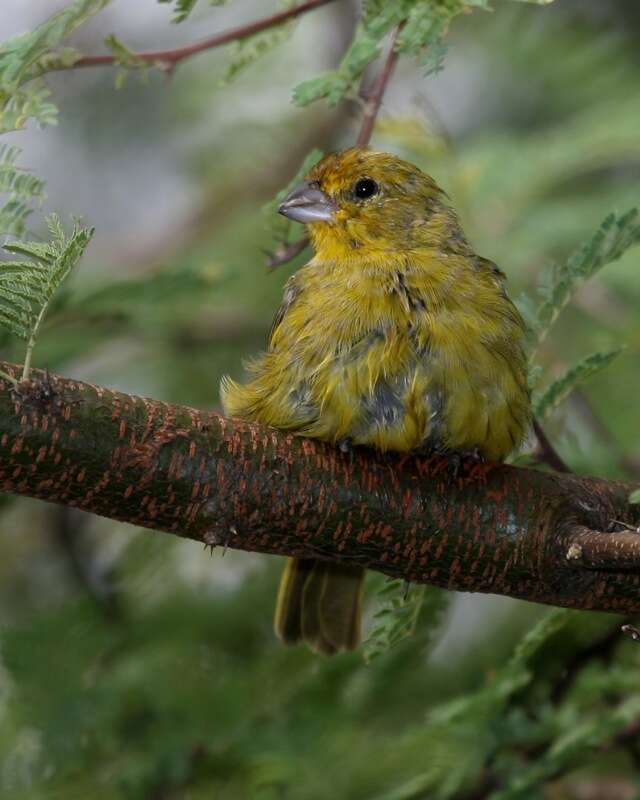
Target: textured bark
(473, 526)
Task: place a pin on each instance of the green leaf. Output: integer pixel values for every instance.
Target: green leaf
(570, 748)
(27, 287)
(558, 391)
(185, 7)
(21, 189)
(464, 734)
(612, 239)
(247, 51)
(126, 59)
(634, 497)
(30, 55)
(404, 611)
(425, 23)
(378, 20)
(124, 56)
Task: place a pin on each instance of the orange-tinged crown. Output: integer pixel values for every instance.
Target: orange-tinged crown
(381, 202)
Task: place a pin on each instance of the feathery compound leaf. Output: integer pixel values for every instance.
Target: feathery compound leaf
(583, 737)
(404, 611)
(425, 28)
(378, 19)
(247, 51)
(21, 188)
(425, 23)
(464, 734)
(31, 54)
(185, 7)
(614, 237)
(557, 392)
(28, 286)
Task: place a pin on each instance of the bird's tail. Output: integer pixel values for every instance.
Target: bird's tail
(321, 604)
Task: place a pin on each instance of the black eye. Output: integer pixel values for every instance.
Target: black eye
(365, 187)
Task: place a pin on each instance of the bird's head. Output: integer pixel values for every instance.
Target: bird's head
(368, 201)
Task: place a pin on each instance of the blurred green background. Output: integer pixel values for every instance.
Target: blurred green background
(134, 665)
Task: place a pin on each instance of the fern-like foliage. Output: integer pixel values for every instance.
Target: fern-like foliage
(462, 735)
(31, 54)
(425, 23)
(184, 7)
(247, 51)
(576, 742)
(558, 391)
(404, 610)
(612, 239)
(21, 188)
(27, 286)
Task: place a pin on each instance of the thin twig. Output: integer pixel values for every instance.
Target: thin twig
(547, 452)
(604, 550)
(374, 97)
(373, 102)
(286, 251)
(175, 55)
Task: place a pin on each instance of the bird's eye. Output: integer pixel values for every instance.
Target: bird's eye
(365, 187)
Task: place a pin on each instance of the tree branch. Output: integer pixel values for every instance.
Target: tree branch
(474, 527)
(175, 55)
(373, 99)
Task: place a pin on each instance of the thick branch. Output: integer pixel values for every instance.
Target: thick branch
(175, 55)
(476, 527)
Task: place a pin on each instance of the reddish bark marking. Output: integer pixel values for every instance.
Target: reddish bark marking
(67, 413)
(17, 445)
(128, 491)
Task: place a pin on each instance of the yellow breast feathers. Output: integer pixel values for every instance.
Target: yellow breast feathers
(395, 335)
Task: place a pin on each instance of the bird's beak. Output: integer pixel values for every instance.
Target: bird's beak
(307, 203)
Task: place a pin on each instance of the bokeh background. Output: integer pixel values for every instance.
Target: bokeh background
(135, 665)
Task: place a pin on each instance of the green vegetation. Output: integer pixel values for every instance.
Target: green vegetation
(135, 667)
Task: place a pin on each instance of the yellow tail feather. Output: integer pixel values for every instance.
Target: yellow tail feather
(321, 604)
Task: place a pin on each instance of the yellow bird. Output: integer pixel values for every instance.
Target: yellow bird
(395, 335)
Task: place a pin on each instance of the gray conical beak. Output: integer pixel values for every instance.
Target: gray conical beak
(306, 203)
